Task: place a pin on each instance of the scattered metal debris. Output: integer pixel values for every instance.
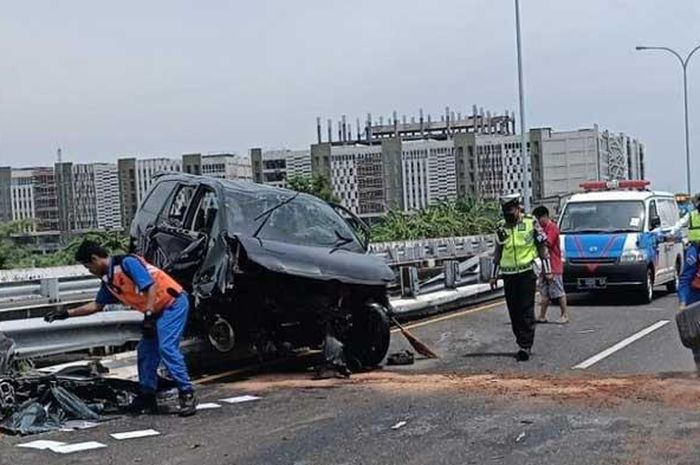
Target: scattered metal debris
(520, 437)
(405, 357)
(40, 402)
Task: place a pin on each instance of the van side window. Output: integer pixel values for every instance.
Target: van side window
(155, 200)
(653, 212)
(178, 207)
(668, 211)
(206, 213)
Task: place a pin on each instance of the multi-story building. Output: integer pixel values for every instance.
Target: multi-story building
(22, 196)
(274, 167)
(218, 165)
(88, 197)
(135, 178)
(572, 157)
(407, 166)
(401, 165)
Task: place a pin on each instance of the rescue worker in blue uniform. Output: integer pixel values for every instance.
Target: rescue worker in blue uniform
(688, 291)
(130, 280)
(519, 241)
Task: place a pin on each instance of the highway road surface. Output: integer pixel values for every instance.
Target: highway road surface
(614, 386)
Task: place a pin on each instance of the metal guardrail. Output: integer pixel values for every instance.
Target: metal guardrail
(400, 253)
(34, 338)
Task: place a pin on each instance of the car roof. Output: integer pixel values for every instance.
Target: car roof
(246, 187)
(603, 196)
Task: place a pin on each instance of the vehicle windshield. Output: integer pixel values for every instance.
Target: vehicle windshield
(603, 217)
(304, 220)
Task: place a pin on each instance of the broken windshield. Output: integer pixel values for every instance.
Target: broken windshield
(305, 221)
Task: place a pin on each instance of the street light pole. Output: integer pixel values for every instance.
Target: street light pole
(684, 65)
(527, 176)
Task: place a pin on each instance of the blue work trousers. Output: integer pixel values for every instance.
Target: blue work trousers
(166, 348)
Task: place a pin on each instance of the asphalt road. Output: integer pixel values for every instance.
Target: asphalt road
(475, 405)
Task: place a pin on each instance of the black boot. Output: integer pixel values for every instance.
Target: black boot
(188, 404)
(145, 402)
(523, 355)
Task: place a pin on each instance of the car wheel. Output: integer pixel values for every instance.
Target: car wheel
(221, 335)
(369, 338)
(646, 292)
(673, 285)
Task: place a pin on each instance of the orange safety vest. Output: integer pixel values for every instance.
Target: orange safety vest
(126, 291)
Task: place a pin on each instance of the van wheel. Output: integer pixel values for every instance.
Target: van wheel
(370, 335)
(646, 292)
(673, 285)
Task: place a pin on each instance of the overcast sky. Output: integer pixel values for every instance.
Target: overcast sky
(151, 78)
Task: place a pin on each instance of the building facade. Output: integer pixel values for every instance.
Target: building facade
(218, 165)
(88, 197)
(135, 178)
(274, 167)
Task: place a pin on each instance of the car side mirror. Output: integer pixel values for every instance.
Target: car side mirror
(654, 222)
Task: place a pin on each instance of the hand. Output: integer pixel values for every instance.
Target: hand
(53, 315)
(494, 283)
(148, 328)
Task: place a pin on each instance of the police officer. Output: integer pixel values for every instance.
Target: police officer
(130, 280)
(520, 240)
(691, 220)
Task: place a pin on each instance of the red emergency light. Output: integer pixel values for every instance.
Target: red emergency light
(638, 184)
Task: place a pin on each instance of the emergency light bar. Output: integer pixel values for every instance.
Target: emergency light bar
(615, 184)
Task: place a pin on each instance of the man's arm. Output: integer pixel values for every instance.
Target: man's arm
(541, 241)
(86, 309)
(682, 223)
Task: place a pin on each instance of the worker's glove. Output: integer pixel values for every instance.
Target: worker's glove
(60, 314)
(148, 328)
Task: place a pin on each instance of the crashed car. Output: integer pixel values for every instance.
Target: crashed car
(269, 268)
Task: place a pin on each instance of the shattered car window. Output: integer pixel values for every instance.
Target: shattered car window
(304, 221)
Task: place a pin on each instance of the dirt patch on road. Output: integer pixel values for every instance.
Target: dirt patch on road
(678, 391)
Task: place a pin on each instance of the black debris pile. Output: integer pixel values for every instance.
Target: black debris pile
(39, 402)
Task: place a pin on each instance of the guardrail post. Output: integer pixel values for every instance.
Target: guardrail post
(409, 281)
(452, 274)
(50, 290)
(485, 268)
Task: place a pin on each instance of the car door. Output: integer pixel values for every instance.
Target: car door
(171, 243)
(668, 210)
(654, 226)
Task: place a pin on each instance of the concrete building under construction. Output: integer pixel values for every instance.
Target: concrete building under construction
(406, 164)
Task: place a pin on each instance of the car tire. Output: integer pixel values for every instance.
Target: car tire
(673, 285)
(369, 338)
(646, 291)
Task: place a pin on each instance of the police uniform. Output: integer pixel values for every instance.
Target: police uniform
(517, 247)
(694, 227)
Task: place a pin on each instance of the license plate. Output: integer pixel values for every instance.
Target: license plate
(592, 283)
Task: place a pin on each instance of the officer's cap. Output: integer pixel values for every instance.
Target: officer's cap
(510, 200)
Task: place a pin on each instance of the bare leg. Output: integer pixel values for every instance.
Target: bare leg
(544, 303)
(564, 309)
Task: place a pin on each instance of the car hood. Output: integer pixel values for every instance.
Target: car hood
(317, 263)
(591, 246)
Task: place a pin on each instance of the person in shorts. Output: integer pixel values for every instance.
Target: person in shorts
(551, 290)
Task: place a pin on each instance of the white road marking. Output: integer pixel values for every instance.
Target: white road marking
(620, 345)
(240, 399)
(135, 434)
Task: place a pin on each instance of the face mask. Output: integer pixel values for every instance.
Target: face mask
(510, 217)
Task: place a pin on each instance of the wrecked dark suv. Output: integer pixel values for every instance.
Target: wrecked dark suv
(267, 268)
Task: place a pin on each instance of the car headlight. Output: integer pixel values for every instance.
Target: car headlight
(633, 256)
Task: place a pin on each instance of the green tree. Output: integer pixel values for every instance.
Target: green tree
(317, 185)
(463, 217)
(13, 255)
